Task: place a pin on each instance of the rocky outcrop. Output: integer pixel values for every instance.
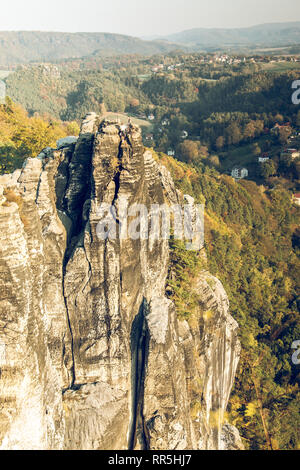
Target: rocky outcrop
(92, 353)
(230, 438)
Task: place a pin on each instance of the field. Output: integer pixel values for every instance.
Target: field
(244, 156)
(280, 66)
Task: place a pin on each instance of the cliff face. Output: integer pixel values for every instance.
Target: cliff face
(92, 355)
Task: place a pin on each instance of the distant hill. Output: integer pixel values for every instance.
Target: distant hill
(34, 46)
(273, 34)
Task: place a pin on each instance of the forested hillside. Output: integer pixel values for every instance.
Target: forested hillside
(22, 137)
(273, 34)
(21, 47)
(68, 94)
(220, 106)
(252, 241)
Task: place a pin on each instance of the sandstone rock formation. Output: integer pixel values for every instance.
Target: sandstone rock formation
(92, 353)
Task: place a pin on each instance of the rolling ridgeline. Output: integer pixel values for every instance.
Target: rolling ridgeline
(21, 47)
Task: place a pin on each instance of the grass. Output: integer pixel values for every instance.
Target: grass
(144, 77)
(281, 66)
(243, 155)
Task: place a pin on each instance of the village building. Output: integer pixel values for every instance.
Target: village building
(263, 158)
(158, 68)
(277, 127)
(171, 153)
(296, 199)
(290, 153)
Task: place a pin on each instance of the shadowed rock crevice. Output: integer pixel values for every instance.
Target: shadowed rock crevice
(139, 343)
(73, 190)
(73, 193)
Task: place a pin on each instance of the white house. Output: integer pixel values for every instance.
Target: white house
(151, 117)
(277, 127)
(239, 173)
(263, 158)
(171, 153)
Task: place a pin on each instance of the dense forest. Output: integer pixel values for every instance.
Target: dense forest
(24, 137)
(272, 34)
(20, 47)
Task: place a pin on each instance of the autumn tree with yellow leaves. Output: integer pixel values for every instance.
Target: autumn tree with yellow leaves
(22, 136)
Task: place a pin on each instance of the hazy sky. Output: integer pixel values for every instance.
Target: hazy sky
(142, 17)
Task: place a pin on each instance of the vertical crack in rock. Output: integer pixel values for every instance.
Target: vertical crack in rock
(78, 191)
(139, 357)
(73, 190)
(72, 370)
(43, 155)
(62, 182)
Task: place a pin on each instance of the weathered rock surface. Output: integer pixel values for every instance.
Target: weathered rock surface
(92, 353)
(230, 438)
